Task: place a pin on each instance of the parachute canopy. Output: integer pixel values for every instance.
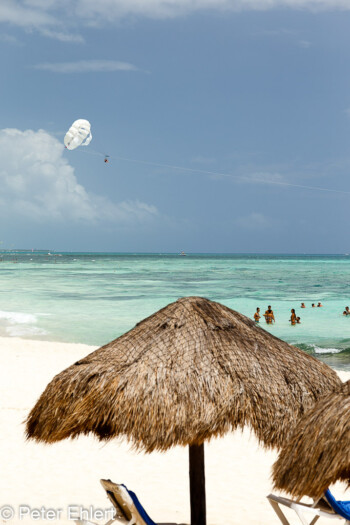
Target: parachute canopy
(79, 134)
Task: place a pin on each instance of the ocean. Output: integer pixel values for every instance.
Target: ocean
(93, 298)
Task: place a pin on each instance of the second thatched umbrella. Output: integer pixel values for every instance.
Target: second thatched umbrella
(318, 452)
(191, 371)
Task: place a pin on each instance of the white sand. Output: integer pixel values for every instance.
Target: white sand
(68, 473)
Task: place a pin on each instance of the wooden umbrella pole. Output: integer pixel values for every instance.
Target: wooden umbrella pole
(197, 485)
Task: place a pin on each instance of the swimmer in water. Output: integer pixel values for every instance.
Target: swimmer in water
(298, 320)
(346, 311)
(313, 305)
(319, 304)
(257, 315)
(302, 305)
(269, 316)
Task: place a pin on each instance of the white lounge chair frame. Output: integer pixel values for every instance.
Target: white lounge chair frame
(317, 510)
(121, 502)
(125, 510)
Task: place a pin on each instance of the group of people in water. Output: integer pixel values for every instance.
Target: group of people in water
(294, 319)
(269, 315)
(312, 306)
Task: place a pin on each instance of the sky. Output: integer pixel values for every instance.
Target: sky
(226, 122)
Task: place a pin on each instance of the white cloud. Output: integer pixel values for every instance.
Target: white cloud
(22, 14)
(87, 66)
(116, 9)
(32, 15)
(53, 14)
(9, 39)
(62, 36)
(38, 183)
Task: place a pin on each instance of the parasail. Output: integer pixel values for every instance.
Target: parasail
(79, 134)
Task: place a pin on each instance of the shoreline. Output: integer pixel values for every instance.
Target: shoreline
(68, 473)
(41, 342)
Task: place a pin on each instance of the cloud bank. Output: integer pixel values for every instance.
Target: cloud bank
(50, 14)
(38, 184)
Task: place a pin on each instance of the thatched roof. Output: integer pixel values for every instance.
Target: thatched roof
(318, 452)
(193, 370)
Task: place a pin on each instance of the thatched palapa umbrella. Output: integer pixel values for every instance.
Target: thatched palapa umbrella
(318, 451)
(192, 371)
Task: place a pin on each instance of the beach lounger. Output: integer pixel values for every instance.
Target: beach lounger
(326, 507)
(128, 509)
(342, 508)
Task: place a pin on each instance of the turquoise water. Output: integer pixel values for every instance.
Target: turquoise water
(93, 298)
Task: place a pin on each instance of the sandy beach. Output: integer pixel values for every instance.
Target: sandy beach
(66, 475)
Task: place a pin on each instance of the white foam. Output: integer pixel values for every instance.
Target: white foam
(19, 324)
(18, 317)
(19, 331)
(319, 350)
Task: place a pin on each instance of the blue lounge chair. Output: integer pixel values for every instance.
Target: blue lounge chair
(127, 503)
(326, 507)
(128, 509)
(340, 507)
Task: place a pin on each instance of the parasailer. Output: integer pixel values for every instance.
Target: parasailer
(79, 134)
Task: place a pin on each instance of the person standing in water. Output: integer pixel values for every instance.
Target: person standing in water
(269, 316)
(293, 317)
(257, 315)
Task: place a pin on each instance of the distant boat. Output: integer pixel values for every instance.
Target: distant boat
(183, 254)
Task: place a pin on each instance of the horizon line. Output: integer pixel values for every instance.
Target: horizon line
(48, 251)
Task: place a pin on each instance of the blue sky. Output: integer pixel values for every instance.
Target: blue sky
(251, 97)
